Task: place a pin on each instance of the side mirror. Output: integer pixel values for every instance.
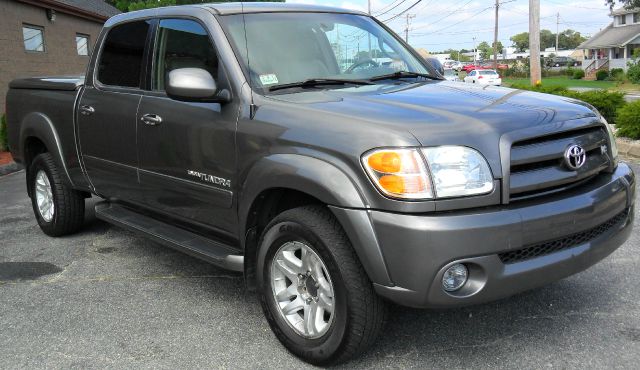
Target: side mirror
(195, 85)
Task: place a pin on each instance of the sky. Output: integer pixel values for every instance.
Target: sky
(444, 24)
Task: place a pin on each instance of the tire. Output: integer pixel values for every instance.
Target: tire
(358, 314)
(65, 214)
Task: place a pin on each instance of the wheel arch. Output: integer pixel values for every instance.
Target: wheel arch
(281, 182)
(38, 135)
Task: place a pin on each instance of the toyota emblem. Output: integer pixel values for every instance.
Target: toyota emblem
(575, 156)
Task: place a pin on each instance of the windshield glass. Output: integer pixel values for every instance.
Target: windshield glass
(486, 73)
(283, 48)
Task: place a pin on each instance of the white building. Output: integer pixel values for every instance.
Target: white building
(613, 46)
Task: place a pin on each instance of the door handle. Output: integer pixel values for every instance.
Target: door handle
(87, 110)
(151, 119)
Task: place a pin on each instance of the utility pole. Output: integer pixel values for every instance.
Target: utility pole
(534, 41)
(406, 30)
(475, 52)
(557, 32)
(495, 39)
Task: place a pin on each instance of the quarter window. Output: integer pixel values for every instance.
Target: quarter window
(33, 38)
(82, 44)
(182, 43)
(122, 55)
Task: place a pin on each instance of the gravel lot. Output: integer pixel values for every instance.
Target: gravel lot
(111, 299)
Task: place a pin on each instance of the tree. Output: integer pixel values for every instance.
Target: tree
(485, 50)
(547, 39)
(570, 39)
(520, 41)
(131, 5)
(626, 3)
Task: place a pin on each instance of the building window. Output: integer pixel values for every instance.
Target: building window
(636, 17)
(82, 44)
(33, 38)
(623, 19)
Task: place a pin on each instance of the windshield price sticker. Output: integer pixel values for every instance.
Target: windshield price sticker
(269, 79)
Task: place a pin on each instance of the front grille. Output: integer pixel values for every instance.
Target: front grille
(566, 242)
(538, 166)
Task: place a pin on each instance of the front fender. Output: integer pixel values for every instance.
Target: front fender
(39, 126)
(330, 185)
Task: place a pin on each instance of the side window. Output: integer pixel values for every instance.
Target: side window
(182, 43)
(122, 55)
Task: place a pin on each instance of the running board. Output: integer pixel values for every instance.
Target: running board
(195, 245)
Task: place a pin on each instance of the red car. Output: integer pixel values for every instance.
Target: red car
(470, 67)
(489, 65)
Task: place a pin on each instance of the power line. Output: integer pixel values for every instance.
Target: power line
(388, 10)
(400, 14)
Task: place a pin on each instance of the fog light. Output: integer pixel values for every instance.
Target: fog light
(455, 277)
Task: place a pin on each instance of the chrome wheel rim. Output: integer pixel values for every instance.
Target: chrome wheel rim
(302, 289)
(44, 196)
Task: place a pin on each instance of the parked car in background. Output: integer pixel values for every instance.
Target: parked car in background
(484, 77)
(490, 65)
(470, 67)
(456, 66)
(562, 62)
(451, 75)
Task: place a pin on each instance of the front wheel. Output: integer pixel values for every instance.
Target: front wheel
(314, 292)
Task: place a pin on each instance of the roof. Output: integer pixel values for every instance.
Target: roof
(612, 37)
(624, 10)
(97, 10)
(265, 7)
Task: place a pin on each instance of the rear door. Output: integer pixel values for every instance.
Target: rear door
(107, 111)
(187, 150)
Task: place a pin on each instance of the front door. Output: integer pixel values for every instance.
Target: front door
(107, 112)
(187, 150)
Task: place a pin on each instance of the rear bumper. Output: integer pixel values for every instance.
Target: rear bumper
(416, 249)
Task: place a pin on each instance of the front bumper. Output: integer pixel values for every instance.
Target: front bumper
(414, 250)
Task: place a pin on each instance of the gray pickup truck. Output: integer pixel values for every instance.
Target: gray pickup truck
(316, 152)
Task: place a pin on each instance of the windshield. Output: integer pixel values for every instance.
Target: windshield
(285, 48)
(487, 73)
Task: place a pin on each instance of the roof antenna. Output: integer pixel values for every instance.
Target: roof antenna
(252, 107)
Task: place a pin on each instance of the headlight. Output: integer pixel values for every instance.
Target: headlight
(452, 171)
(458, 171)
(399, 173)
(612, 138)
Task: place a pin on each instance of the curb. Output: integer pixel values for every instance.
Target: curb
(12, 167)
(628, 148)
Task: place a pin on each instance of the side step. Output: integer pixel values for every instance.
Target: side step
(195, 245)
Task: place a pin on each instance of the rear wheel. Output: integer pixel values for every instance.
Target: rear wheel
(58, 208)
(314, 292)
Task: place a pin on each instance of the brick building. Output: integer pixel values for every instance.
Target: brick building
(47, 37)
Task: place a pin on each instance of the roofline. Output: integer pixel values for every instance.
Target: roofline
(67, 9)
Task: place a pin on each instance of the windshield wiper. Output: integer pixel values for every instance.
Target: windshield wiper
(320, 81)
(403, 74)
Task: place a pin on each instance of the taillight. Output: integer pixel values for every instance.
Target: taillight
(479, 77)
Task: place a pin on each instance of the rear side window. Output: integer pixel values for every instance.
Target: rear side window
(122, 54)
(182, 43)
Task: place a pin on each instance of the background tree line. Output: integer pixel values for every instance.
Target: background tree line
(568, 39)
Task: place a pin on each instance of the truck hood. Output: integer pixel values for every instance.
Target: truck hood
(446, 113)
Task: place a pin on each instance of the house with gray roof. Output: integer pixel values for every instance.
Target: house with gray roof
(48, 37)
(614, 45)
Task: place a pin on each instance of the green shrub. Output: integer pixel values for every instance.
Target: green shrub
(633, 73)
(569, 71)
(578, 74)
(3, 134)
(602, 75)
(628, 120)
(616, 72)
(606, 102)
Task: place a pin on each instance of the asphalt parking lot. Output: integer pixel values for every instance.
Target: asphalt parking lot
(105, 298)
